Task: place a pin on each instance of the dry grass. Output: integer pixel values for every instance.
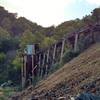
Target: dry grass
(87, 62)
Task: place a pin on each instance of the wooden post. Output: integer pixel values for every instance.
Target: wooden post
(32, 68)
(43, 61)
(39, 64)
(33, 57)
(54, 52)
(75, 43)
(62, 50)
(47, 60)
(24, 71)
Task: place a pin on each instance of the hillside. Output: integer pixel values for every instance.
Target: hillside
(80, 74)
(17, 32)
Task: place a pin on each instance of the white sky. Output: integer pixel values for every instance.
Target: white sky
(46, 12)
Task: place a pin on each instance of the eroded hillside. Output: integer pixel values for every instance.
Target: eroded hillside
(79, 75)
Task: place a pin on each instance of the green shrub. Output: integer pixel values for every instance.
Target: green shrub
(69, 56)
(54, 68)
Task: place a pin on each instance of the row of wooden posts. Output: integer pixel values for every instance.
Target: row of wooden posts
(37, 63)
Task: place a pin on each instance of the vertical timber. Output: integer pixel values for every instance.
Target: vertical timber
(62, 49)
(47, 60)
(75, 43)
(39, 64)
(24, 71)
(43, 62)
(32, 68)
(54, 52)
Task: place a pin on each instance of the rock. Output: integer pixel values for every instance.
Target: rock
(61, 98)
(15, 98)
(87, 96)
(33, 98)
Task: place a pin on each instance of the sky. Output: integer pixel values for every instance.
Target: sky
(50, 12)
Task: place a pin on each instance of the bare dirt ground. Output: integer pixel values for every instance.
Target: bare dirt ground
(82, 74)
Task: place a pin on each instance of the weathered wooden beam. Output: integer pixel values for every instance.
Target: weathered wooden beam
(43, 63)
(54, 52)
(24, 58)
(76, 43)
(32, 67)
(39, 65)
(22, 72)
(62, 49)
(47, 60)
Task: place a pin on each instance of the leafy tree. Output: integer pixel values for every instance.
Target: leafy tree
(39, 37)
(14, 70)
(3, 67)
(87, 20)
(96, 14)
(2, 58)
(4, 34)
(27, 38)
(6, 23)
(47, 42)
(17, 63)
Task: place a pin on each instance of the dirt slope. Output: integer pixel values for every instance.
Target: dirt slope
(80, 74)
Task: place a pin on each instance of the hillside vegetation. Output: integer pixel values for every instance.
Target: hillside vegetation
(17, 32)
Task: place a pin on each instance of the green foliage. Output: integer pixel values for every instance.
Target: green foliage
(39, 37)
(6, 92)
(16, 63)
(2, 57)
(47, 42)
(55, 67)
(27, 38)
(14, 70)
(87, 19)
(4, 34)
(69, 55)
(3, 73)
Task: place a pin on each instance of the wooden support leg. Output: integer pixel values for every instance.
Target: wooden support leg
(47, 62)
(54, 53)
(75, 43)
(32, 68)
(39, 64)
(62, 50)
(24, 71)
(43, 62)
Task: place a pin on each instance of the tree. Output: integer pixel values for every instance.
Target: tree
(3, 68)
(4, 34)
(2, 58)
(47, 42)
(39, 37)
(87, 19)
(6, 23)
(96, 15)
(27, 38)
